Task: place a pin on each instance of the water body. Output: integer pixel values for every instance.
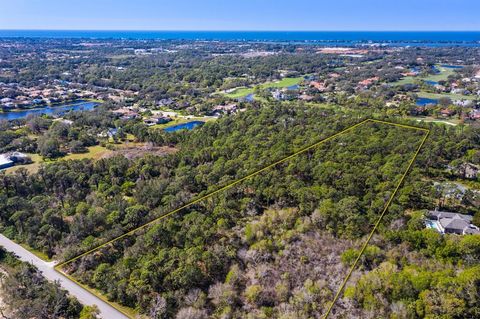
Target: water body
(423, 38)
(250, 98)
(448, 66)
(435, 70)
(293, 87)
(431, 82)
(422, 101)
(51, 110)
(184, 126)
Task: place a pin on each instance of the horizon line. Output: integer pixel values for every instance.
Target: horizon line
(232, 30)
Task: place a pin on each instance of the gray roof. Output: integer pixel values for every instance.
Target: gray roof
(441, 215)
(454, 223)
(4, 160)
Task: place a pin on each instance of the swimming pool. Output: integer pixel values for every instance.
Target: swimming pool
(434, 225)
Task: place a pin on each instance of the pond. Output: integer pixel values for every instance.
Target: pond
(449, 66)
(49, 110)
(435, 70)
(293, 87)
(249, 98)
(184, 126)
(423, 101)
(431, 82)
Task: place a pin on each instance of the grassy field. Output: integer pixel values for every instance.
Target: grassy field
(283, 83)
(429, 119)
(94, 152)
(406, 80)
(449, 95)
(240, 92)
(442, 76)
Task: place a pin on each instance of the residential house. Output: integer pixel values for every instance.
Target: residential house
(451, 223)
(5, 161)
(9, 159)
(320, 86)
(165, 102)
(475, 114)
(463, 103)
(368, 82)
(126, 113)
(277, 95)
(447, 112)
(229, 108)
(470, 170)
(157, 120)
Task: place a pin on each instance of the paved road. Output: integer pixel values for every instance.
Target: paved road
(84, 296)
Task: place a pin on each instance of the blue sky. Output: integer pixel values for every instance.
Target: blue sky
(241, 14)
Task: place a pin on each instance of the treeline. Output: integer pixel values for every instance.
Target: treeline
(26, 294)
(209, 251)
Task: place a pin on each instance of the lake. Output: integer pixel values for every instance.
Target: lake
(184, 126)
(422, 101)
(448, 66)
(49, 110)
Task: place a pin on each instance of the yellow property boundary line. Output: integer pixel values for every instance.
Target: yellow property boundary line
(303, 150)
(379, 220)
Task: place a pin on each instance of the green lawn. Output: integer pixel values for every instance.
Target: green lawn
(452, 96)
(94, 152)
(406, 80)
(283, 83)
(37, 253)
(429, 119)
(442, 76)
(240, 92)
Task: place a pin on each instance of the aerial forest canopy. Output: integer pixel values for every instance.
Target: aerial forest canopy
(256, 247)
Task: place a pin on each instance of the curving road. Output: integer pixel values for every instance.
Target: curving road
(84, 296)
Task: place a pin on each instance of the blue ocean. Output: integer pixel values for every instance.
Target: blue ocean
(426, 38)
